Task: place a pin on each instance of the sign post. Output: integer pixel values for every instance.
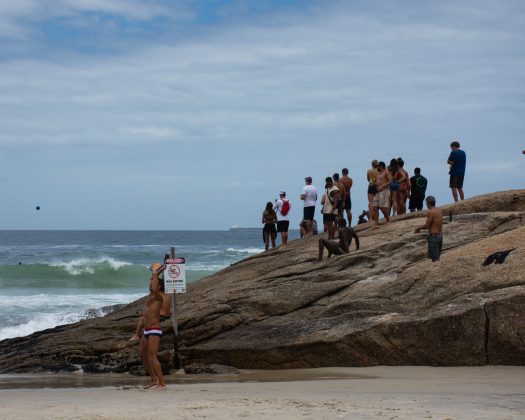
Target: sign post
(175, 282)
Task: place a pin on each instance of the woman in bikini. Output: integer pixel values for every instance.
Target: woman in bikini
(393, 168)
(371, 176)
(404, 187)
(269, 218)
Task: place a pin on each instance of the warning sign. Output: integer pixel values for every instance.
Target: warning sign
(175, 276)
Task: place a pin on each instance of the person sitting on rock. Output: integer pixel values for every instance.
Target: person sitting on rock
(340, 246)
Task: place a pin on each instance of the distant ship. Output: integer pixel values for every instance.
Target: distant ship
(237, 228)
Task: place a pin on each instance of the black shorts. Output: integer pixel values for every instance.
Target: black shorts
(456, 181)
(282, 225)
(372, 189)
(416, 201)
(348, 203)
(308, 213)
(328, 218)
(269, 227)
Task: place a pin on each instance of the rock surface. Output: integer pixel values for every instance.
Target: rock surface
(385, 304)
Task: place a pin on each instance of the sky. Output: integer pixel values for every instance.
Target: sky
(150, 114)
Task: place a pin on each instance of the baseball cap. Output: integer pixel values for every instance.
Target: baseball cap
(282, 193)
(308, 179)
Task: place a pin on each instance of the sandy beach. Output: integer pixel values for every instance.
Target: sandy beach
(489, 392)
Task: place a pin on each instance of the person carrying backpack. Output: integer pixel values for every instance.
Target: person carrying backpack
(282, 207)
(418, 188)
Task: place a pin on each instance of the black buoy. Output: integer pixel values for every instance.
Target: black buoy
(38, 207)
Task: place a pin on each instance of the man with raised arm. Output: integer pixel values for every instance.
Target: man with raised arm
(434, 224)
(149, 343)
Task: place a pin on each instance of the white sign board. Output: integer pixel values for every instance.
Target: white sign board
(175, 276)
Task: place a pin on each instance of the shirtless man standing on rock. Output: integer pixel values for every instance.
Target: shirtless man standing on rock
(338, 247)
(149, 343)
(382, 197)
(434, 224)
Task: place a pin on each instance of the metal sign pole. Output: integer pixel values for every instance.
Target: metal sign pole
(176, 359)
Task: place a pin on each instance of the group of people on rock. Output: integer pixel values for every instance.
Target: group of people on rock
(389, 189)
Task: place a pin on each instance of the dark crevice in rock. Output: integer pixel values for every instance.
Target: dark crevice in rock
(487, 334)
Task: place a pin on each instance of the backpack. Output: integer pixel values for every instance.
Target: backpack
(285, 208)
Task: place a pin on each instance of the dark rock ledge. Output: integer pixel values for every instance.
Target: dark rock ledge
(385, 304)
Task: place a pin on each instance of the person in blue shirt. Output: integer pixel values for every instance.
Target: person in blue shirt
(457, 161)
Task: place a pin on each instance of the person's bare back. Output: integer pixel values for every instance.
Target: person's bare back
(434, 220)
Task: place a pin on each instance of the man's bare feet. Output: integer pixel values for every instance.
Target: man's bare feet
(134, 338)
(160, 387)
(151, 385)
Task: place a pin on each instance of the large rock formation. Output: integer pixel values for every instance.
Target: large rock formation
(385, 304)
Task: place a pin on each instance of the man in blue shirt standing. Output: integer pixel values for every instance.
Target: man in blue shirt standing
(457, 161)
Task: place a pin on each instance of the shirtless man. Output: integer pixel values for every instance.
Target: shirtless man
(165, 310)
(382, 197)
(149, 343)
(338, 247)
(434, 224)
(347, 182)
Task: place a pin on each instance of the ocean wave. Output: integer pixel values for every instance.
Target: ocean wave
(90, 266)
(245, 250)
(24, 315)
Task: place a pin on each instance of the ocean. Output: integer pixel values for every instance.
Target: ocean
(50, 278)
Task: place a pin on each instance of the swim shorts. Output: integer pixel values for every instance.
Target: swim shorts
(382, 199)
(308, 213)
(152, 332)
(372, 189)
(456, 181)
(416, 201)
(435, 245)
(282, 225)
(348, 203)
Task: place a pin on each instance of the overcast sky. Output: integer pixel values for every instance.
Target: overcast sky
(150, 114)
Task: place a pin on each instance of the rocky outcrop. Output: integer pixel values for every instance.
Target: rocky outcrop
(384, 304)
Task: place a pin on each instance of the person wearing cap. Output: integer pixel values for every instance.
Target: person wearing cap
(150, 341)
(309, 197)
(282, 207)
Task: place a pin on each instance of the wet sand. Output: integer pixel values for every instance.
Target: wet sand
(488, 392)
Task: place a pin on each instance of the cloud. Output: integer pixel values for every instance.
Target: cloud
(18, 18)
(262, 103)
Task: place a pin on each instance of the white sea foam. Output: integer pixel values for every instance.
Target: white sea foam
(88, 265)
(31, 313)
(245, 250)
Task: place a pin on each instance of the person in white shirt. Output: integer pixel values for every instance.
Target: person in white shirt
(309, 196)
(282, 207)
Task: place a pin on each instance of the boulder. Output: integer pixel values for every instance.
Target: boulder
(384, 304)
